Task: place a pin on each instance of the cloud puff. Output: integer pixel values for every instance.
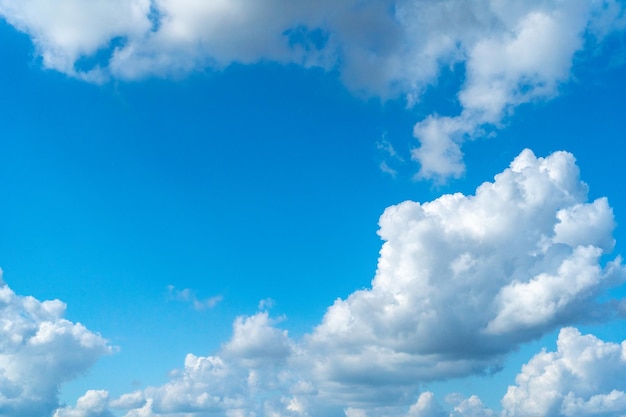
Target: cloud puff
(249, 376)
(39, 350)
(585, 376)
(93, 404)
(461, 281)
(512, 53)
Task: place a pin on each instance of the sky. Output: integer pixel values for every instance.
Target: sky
(348, 208)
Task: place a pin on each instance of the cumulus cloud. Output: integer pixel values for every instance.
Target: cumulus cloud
(249, 376)
(93, 404)
(512, 52)
(583, 377)
(461, 281)
(39, 351)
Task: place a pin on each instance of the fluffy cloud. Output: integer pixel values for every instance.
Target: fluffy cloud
(525, 59)
(39, 350)
(93, 404)
(513, 52)
(585, 376)
(461, 281)
(66, 31)
(249, 376)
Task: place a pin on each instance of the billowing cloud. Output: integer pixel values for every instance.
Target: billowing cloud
(512, 52)
(40, 350)
(461, 281)
(585, 376)
(249, 376)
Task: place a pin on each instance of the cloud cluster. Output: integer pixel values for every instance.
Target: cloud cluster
(40, 350)
(461, 281)
(512, 52)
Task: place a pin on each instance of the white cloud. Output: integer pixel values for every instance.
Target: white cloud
(249, 376)
(462, 280)
(584, 377)
(189, 296)
(93, 404)
(67, 30)
(425, 406)
(524, 59)
(471, 407)
(39, 351)
(513, 52)
(257, 342)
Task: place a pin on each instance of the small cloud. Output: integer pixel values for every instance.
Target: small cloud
(385, 146)
(189, 296)
(266, 304)
(387, 169)
(390, 156)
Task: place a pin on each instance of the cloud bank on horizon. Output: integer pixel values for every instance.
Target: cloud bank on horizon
(461, 282)
(512, 52)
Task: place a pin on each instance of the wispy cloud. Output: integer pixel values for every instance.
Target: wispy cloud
(189, 296)
(390, 156)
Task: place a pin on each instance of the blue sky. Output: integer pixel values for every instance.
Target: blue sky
(224, 196)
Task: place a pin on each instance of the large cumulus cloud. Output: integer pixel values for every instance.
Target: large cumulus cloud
(461, 281)
(512, 52)
(40, 350)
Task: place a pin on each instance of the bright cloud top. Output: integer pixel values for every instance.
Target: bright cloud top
(513, 52)
(40, 350)
(461, 281)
